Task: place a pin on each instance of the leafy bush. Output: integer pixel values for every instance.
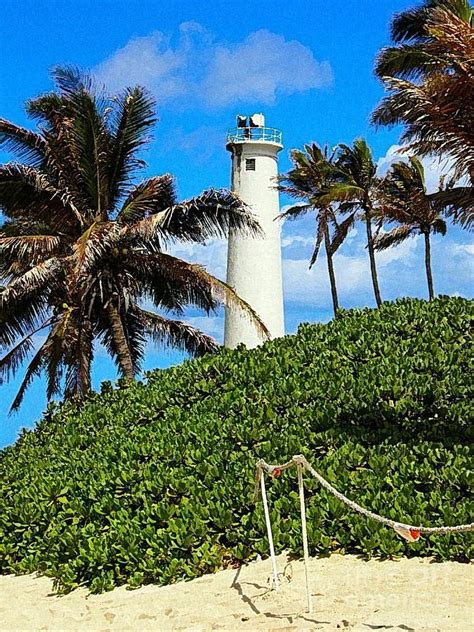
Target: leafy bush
(153, 482)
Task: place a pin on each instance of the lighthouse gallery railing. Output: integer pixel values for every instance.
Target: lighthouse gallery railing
(264, 134)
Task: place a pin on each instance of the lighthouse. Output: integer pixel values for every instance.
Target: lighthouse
(254, 262)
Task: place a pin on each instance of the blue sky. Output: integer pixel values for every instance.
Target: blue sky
(306, 64)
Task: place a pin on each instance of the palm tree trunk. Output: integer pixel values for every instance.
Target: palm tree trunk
(332, 276)
(429, 275)
(83, 358)
(373, 267)
(121, 344)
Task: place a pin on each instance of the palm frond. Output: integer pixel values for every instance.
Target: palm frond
(410, 62)
(341, 192)
(440, 57)
(94, 244)
(412, 23)
(296, 211)
(321, 227)
(26, 250)
(177, 334)
(439, 226)
(89, 143)
(393, 238)
(457, 203)
(150, 197)
(133, 116)
(33, 280)
(23, 143)
(23, 301)
(12, 361)
(409, 25)
(341, 231)
(434, 122)
(209, 215)
(34, 369)
(172, 283)
(26, 191)
(54, 350)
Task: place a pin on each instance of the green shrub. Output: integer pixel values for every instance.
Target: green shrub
(153, 482)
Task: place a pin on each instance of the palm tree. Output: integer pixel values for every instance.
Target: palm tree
(82, 248)
(355, 188)
(404, 200)
(308, 182)
(428, 74)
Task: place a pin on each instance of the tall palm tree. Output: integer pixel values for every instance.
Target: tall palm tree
(404, 201)
(428, 74)
(308, 181)
(355, 188)
(82, 248)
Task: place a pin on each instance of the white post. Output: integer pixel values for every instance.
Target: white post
(269, 532)
(254, 262)
(299, 468)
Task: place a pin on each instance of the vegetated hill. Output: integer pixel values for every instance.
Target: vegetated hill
(153, 482)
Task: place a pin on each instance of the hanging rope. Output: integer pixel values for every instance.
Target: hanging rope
(409, 532)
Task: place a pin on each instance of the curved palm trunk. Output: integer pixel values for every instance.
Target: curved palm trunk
(121, 344)
(332, 276)
(429, 275)
(373, 267)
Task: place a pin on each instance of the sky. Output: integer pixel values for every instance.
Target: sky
(307, 64)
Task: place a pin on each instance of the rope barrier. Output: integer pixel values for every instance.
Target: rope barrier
(274, 470)
(411, 533)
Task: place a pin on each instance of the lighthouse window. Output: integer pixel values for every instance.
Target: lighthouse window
(250, 164)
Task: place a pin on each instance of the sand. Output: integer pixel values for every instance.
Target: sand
(348, 593)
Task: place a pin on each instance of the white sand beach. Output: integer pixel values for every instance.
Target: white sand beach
(348, 593)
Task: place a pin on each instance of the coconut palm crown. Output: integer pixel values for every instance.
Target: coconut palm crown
(429, 76)
(404, 201)
(82, 247)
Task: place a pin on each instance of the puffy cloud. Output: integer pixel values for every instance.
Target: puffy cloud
(259, 68)
(462, 249)
(299, 240)
(196, 71)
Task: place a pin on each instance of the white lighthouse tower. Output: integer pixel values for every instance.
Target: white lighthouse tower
(254, 263)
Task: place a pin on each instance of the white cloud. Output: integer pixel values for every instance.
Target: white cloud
(196, 71)
(462, 249)
(147, 61)
(300, 240)
(259, 68)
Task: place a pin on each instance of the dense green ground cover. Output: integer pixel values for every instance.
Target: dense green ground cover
(153, 482)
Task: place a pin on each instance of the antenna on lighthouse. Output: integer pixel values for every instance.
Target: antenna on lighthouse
(254, 263)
